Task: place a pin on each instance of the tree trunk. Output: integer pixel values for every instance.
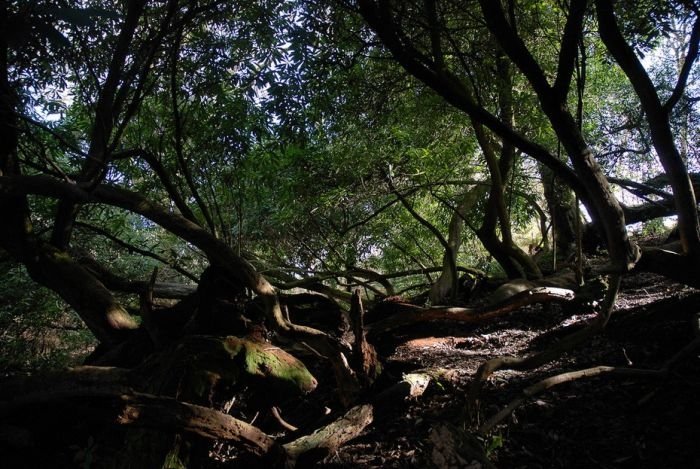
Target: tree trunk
(657, 115)
(592, 185)
(439, 291)
(562, 212)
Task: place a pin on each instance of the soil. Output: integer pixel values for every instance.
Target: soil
(607, 421)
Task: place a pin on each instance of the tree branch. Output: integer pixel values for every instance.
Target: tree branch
(690, 58)
(131, 248)
(569, 48)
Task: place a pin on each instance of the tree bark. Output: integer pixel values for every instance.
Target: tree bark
(657, 116)
(218, 252)
(601, 202)
(562, 213)
(416, 315)
(439, 291)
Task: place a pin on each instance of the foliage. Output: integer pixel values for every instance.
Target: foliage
(38, 329)
(285, 129)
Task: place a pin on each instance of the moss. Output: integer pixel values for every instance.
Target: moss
(265, 361)
(55, 255)
(274, 362)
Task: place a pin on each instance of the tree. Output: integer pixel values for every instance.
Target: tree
(220, 141)
(128, 70)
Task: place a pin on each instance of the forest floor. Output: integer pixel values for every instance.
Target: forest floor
(607, 421)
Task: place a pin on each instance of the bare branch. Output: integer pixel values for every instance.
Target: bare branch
(690, 58)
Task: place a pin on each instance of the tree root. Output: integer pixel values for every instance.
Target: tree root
(538, 359)
(471, 315)
(552, 381)
(562, 378)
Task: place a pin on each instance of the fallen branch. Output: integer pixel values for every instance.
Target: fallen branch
(538, 359)
(562, 378)
(471, 315)
(331, 437)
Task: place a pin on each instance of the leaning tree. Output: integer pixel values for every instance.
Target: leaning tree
(434, 41)
(428, 39)
(156, 100)
(156, 110)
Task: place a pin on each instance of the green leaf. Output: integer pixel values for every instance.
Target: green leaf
(53, 35)
(81, 16)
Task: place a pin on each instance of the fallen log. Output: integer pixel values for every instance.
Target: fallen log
(328, 439)
(470, 315)
(112, 404)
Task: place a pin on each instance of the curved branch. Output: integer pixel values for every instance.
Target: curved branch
(218, 253)
(177, 121)
(164, 178)
(116, 283)
(416, 315)
(131, 248)
(644, 189)
(690, 59)
(106, 110)
(659, 125)
(569, 48)
(455, 92)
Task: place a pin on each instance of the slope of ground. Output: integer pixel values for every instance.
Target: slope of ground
(607, 421)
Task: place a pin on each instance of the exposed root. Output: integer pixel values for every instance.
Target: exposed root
(562, 378)
(471, 315)
(538, 359)
(331, 437)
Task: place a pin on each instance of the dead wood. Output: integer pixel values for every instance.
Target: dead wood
(331, 437)
(365, 359)
(417, 315)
